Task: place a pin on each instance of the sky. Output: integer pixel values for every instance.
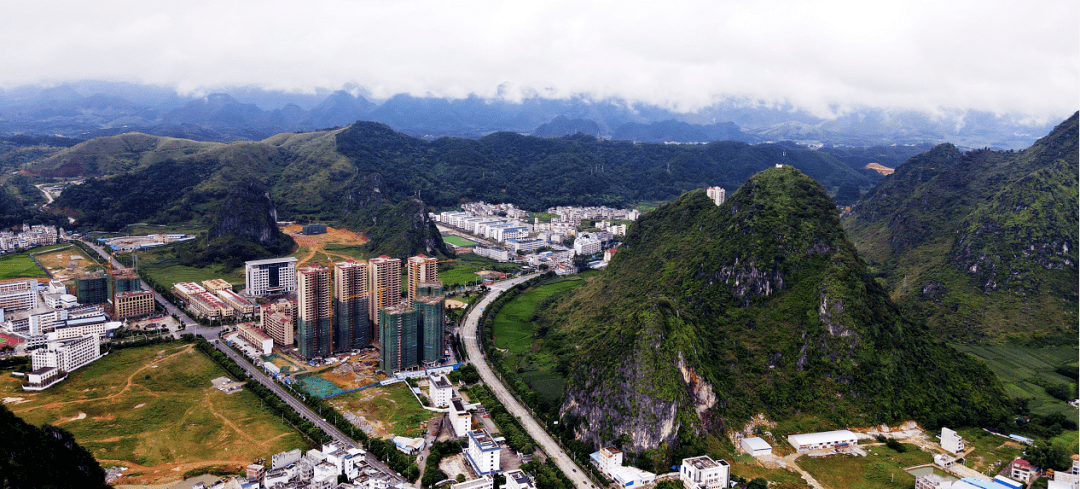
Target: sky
(1014, 57)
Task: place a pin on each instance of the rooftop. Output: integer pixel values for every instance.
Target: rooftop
(271, 261)
(756, 443)
(700, 463)
(440, 381)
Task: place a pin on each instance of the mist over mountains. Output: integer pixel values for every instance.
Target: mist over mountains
(89, 109)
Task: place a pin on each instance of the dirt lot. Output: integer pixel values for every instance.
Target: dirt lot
(313, 248)
(66, 264)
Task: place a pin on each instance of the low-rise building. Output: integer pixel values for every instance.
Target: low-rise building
(756, 447)
(932, 481)
(133, 304)
(440, 391)
(484, 482)
(460, 418)
(19, 294)
(256, 338)
(517, 479)
(67, 355)
(483, 453)
(823, 440)
(951, 442)
(185, 290)
(1021, 470)
(704, 473)
(42, 378)
(239, 304)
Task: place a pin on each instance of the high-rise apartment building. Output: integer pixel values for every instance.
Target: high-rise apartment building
(313, 315)
(421, 269)
(398, 338)
(384, 280)
(717, 194)
(430, 318)
(352, 328)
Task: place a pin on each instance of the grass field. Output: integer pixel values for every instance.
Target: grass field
(882, 468)
(154, 410)
(1022, 368)
(160, 265)
(990, 450)
(514, 331)
(463, 271)
(19, 265)
(390, 410)
(458, 241)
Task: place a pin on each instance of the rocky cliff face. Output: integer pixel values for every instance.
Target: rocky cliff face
(398, 229)
(713, 314)
(245, 228)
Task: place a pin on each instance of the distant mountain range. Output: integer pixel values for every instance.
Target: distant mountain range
(85, 110)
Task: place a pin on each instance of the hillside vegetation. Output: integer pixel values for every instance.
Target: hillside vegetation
(710, 314)
(981, 243)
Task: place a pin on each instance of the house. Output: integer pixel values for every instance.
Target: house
(1021, 470)
(951, 442)
(704, 473)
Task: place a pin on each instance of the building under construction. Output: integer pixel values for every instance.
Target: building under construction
(352, 329)
(313, 317)
(398, 338)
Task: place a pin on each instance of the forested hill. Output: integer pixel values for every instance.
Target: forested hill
(710, 314)
(983, 243)
(314, 175)
(537, 173)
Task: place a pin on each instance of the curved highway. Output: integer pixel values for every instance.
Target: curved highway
(523, 414)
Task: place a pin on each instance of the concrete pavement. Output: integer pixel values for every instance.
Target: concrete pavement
(524, 415)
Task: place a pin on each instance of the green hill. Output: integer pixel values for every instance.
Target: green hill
(711, 314)
(323, 176)
(982, 243)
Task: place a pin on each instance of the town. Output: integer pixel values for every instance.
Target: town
(382, 325)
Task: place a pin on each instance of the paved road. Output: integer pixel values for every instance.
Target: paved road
(535, 430)
(211, 335)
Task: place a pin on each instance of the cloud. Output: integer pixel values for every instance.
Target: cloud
(1005, 57)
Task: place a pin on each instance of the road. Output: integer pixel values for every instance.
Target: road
(211, 335)
(535, 430)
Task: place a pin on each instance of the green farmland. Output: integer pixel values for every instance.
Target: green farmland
(515, 332)
(1022, 370)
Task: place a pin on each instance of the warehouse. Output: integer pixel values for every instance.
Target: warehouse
(823, 441)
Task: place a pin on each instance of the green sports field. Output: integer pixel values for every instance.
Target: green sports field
(458, 241)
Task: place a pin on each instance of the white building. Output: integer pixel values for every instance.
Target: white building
(608, 458)
(951, 442)
(516, 479)
(408, 446)
(756, 447)
(824, 440)
(19, 294)
(460, 418)
(704, 473)
(271, 276)
(485, 482)
(587, 246)
(932, 481)
(717, 194)
(483, 453)
(440, 391)
(68, 355)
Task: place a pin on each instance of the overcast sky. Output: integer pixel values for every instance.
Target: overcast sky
(1021, 57)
